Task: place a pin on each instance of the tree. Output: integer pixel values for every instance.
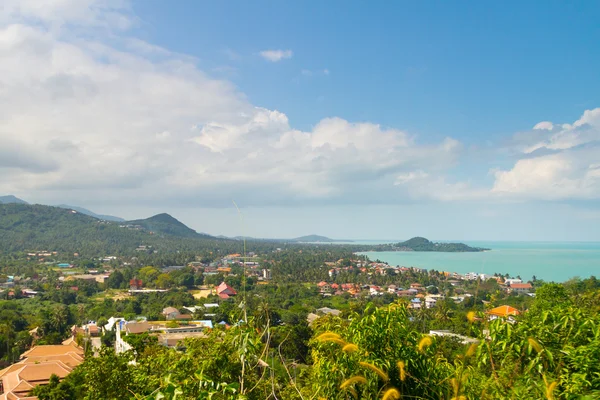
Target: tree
(164, 281)
(186, 280)
(115, 280)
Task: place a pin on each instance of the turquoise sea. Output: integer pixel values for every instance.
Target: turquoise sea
(551, 261)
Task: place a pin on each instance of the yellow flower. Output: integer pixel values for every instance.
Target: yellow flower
(350, 348)
(373, 368)
(351, 381)
(401, 370)
(328, 335)
(391, 394)
(471, 349)
(331, 337)
(549, 388)
(424, 342)
(471, 316)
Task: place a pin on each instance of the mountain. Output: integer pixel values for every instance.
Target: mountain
(313, 239)
(10, 199)
(25, 227)
(301, 239)
(91, 213)
(166, 225)
(422, 244)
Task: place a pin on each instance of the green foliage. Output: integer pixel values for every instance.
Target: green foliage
(422, 244)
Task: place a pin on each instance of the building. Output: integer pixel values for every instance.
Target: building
(225, 291)
(432, 299)
(510, 281)
(171, 313)
(461, 338)
(520, 288)
(506, 312)
(135, 284)
(415, 303)
(36, 366)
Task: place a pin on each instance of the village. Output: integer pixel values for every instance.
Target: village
(175, 324)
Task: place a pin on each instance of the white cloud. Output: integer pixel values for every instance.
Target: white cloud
(566, 175)
(84, 119)
(560, 137)
(566, 166)
(276, 55)
(545, 125)
(108, 116)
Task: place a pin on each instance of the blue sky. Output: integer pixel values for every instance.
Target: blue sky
(433, 68)
(452, 120)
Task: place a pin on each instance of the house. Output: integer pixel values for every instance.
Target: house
(135, 284)
(375, 290)
(266, 274)
(506, 312)
(312, 317)
(415, 304)
(510, 281)
(416, 286)
(171, 313)
(461, 338)
(520, 288)
(432, 299)
(125, 328)
(36, 366)
(224, 291)
(324, 287)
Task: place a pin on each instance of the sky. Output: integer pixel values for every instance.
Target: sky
(463, 120)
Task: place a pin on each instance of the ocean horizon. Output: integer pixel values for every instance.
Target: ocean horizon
(550, 261)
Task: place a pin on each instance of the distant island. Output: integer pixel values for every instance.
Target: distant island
(422, 244)
(301, 239)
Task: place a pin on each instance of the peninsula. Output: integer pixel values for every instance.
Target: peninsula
(422, 244)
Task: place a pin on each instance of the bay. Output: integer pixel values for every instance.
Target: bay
(550, 261)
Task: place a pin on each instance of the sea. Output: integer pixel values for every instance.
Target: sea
(550, 261)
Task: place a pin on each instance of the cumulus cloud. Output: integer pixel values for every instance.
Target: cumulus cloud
(108, 116)
(124, 120)
(276, 55)
(566, 164)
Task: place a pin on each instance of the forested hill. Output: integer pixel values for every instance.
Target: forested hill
(422, 244)
(35, 227)
(167, 225)
(11, 199)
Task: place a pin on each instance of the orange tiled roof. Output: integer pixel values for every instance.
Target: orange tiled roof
(504, 311)
(36, 367)
(52, 350)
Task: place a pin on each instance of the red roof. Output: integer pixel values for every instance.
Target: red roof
(224, 288)
(321, 284)
(521, 286)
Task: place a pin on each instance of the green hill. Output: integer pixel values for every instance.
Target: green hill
(422, 244)
(313, 239)
(91, 213)
(26, 227)
(10, 199)
(165, 224)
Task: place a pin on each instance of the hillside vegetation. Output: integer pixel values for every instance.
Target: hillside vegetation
(36, 227)
(422, 244)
